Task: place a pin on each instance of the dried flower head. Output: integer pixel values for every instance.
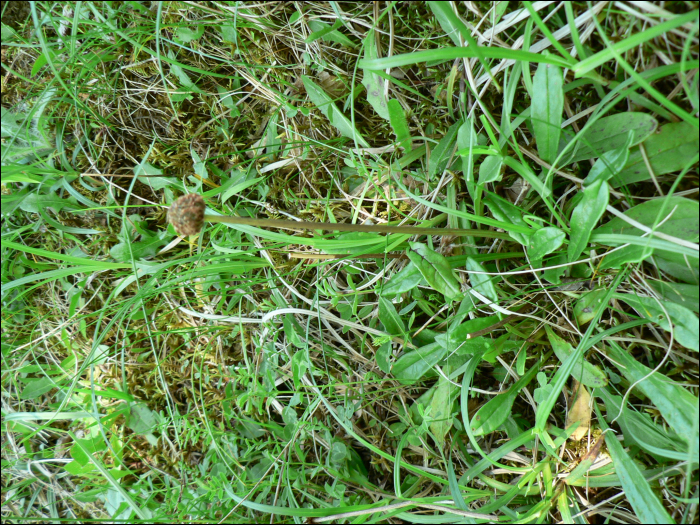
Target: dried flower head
(186, 214)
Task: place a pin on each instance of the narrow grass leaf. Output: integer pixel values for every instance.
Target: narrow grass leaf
(467, 140)
(593, 61)
(645, 503)
(546, 109)
(454, 486)
(508, 226)
(442, 152)
(585, 216)
(325, 104)
(397, 119)
(450, 53)
(397, 465)
(436, 271)
(526, 173)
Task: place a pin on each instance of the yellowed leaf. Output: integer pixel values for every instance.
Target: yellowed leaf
(579, 410)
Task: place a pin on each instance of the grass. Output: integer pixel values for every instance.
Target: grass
(251, 375)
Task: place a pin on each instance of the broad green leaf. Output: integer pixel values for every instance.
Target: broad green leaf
(493, 414)
(37, 387)
(141, 419)
(374, 84)
(586, 307)
(404, 281)
(490, 169)
(685, 322)
(293, 335)
(229, 33)
(186, 35)
(584, 372)
(609, 164)
(382, 357)
(546, 109)
(484, 284)
(676, 405)
(390, 318)
(585, 216)
(671, 149)
(436, 271)
(683, 294)
(325, 104)
(679, 266)
(504, 211)
(441, 154)
(449, 22)
(610, 133)
(182, 76)
(397, 119)
(653, 438)
(413, 365)
(124, 251)
(545, 241)
(639, 429)
(645, 503)
(329, 33)
(441, 409)
(33, 202)
(458, 338)
(553, 275)
(674, 216)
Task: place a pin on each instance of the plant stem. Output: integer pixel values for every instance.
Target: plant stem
(344, 227)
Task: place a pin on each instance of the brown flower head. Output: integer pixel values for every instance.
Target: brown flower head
(186, 214)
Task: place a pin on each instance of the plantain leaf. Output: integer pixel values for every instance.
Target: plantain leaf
(326, 105)
(546, 109)
(436, 271)
(586, 215)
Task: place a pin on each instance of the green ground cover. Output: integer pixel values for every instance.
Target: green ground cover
(249, 374)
